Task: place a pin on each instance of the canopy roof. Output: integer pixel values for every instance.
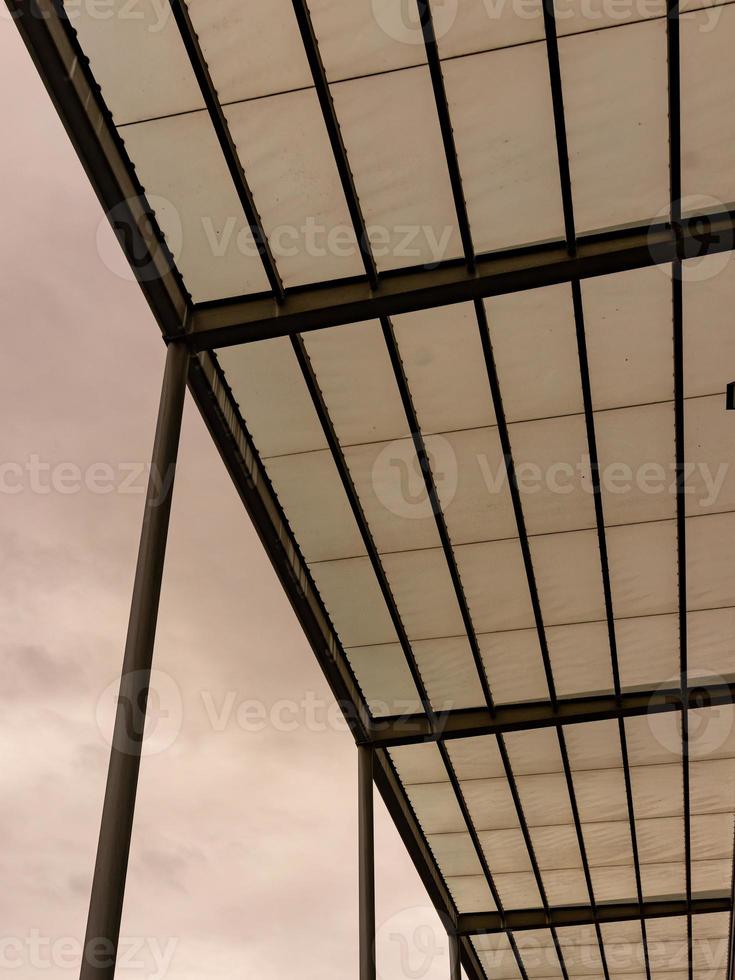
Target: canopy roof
(455, 342)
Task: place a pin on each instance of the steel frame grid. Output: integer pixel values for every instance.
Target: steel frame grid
(75, 94)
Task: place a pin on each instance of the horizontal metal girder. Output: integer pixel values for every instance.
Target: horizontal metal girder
(239, 321)
(518, 920)
(464, 723)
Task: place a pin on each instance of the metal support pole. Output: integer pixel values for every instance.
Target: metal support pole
(455, 968)
(108, 886)
(367, 863)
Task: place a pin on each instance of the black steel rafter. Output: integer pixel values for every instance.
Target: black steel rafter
(445, 124)
(557, 94)
(227, 145)
(248, 319)
(311, 46)
(674, 103)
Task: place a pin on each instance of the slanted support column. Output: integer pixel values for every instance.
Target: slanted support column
(108, 886)
(367, 862)
(455, 970)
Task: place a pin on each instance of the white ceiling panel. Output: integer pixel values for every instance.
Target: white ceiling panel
(708, 450)
(614, 885)
(636, 453)
(477, 757)
(534, 751)
(356, 379)
(189, 188)
(643, 571)
(707, 132)
(442, 356)
(357, 38)
(662, 840)
(661, 880)
(537, 951)
(711, 643)
(568, 576)
(657, 791)
(436, 808)
(506, 146)
(648, 650)
(566, 887)
(268, 385)
(655, 739)
(545, 799)
(251, 49)
(449, 673)
(709, 343)
(615, 101)
(608, 844)
(505, 851)
(601, 795)
(712, 786)
(580, 658)
(514, 666)
(490, 804)
(385, 680)
(535, 348)
(423, 590)
(419, 764)
(629, 332)
(711, 836)
(471, 894)
(354, 602)
(553, 475)
(389, 482)
(283, 145)
(594, 745)
(709, 582)
(310, 491)
(495, 584)
(391, 132)
(137, 56)
(477, 25)
(518, 890)
(575, 16)
(455, 854)
(472, 483)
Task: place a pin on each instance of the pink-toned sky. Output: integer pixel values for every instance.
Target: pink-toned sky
(244, 849)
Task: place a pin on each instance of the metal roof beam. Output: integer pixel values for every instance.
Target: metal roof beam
(464, 723)
(479, 923)
(237, 321)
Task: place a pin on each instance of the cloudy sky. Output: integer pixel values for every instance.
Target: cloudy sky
(243, 861)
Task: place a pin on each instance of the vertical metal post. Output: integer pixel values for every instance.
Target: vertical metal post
(455, 969)
(367, 862)
(108, 886)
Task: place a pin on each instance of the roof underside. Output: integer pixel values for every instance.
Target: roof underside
(471, 504)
